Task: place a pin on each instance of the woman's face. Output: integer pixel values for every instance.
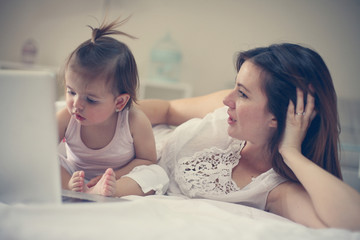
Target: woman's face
(249, 118)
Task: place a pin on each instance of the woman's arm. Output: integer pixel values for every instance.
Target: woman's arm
(177, 111)
(322, 199)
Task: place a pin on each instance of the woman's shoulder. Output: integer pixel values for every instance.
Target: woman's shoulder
(281, 192)
(284, 188)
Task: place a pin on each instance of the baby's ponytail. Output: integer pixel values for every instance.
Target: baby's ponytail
(109, 29)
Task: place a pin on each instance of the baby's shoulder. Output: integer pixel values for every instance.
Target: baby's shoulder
(137, 117)
(135, 114)
(63, 118)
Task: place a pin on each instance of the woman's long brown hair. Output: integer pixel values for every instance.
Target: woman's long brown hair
(287, 67)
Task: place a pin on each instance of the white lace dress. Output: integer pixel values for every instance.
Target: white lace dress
(199, 157)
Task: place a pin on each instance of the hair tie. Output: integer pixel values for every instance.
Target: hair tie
(95, 34)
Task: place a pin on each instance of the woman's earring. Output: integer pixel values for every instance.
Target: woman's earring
(117, 110)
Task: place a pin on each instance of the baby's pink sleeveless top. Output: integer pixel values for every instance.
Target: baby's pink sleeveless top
(116, 154)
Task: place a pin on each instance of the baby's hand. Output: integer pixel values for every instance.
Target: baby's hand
(76, 182)
(297, 122)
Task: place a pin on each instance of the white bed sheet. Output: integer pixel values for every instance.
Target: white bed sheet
(154, 217)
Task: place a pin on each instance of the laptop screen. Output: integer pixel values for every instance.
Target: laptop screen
(28, 146)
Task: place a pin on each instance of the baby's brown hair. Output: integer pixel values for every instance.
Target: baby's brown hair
(107, 57)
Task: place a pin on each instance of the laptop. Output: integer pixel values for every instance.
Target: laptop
(29, 165)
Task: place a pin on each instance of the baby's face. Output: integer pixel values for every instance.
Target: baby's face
(90, 102)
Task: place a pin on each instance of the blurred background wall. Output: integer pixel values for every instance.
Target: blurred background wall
(207, 32)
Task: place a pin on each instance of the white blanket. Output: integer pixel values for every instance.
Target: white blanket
(153, 217)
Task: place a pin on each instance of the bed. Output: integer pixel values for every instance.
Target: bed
(153, 217)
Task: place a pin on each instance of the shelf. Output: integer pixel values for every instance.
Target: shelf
(164, 90)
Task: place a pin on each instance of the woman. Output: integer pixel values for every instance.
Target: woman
(283, 122)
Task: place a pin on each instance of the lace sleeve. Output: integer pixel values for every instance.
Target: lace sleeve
(208, 171)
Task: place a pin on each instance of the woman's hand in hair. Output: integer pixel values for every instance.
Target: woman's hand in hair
(297, 122)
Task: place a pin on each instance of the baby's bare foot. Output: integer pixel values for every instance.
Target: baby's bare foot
(106, 185)
(76, 182)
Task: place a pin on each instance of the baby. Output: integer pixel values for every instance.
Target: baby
(107, 139)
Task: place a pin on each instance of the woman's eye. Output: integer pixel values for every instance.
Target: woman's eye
(242, 94)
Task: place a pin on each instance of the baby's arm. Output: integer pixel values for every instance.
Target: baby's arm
(144, 142)
(63, 118)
